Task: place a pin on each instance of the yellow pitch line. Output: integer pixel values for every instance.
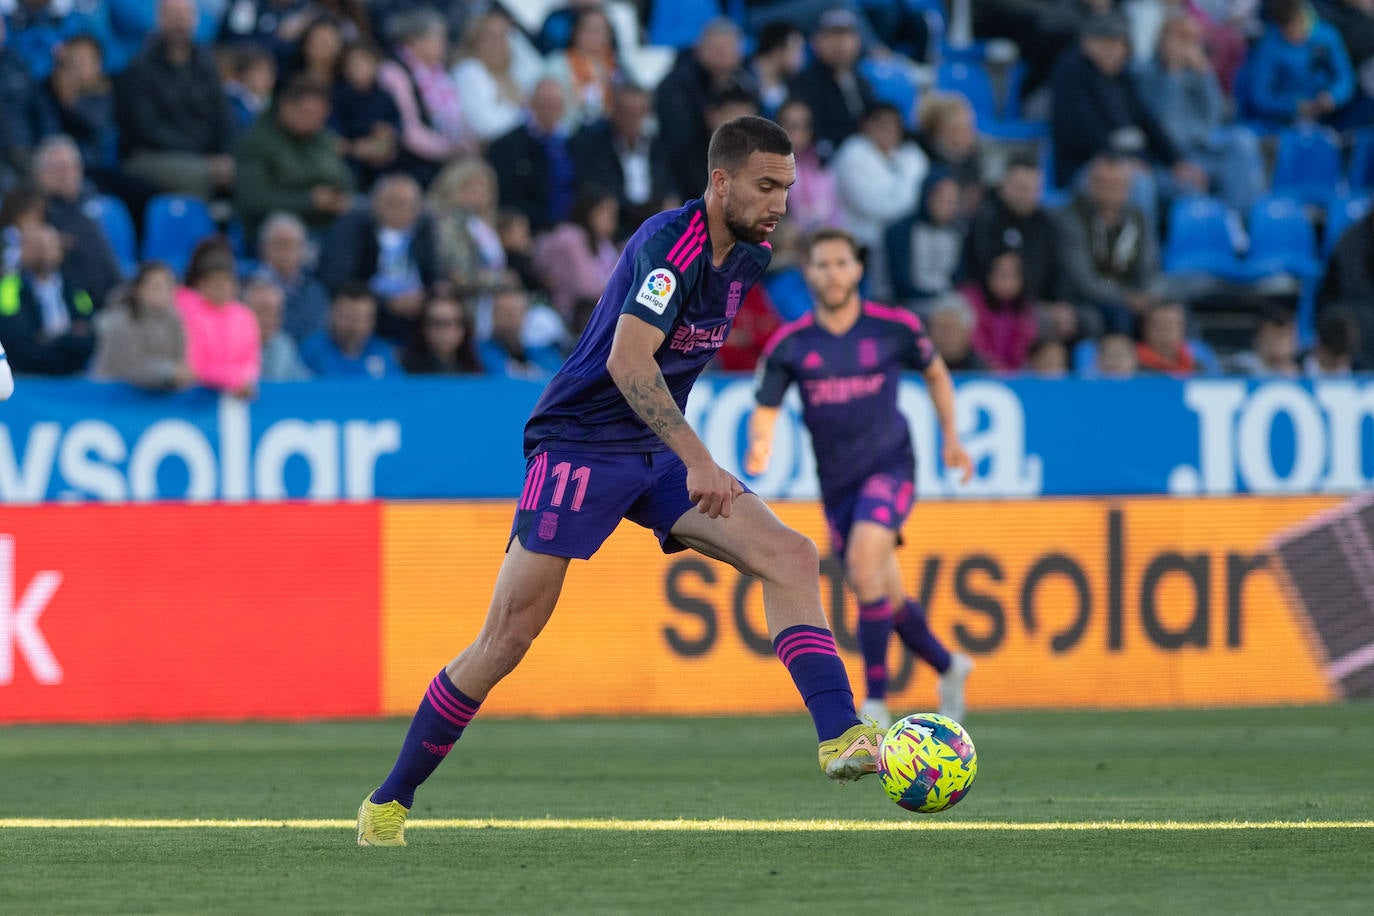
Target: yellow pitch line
(722, 825)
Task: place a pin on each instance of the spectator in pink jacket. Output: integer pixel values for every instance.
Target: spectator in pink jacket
(1005, 324)
(575, 259)
(813, 201)
(222, 345)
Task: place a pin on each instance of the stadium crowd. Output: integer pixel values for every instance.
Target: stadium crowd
(224, 192)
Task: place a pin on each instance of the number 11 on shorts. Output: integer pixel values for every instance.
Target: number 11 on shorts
(580, 478)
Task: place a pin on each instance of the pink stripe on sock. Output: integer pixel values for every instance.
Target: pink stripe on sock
(692, 226)
(825, 638)
(433, 696)
(454, 705)
(875, 611)
(807, 650)
(797, 648)
(877, 671)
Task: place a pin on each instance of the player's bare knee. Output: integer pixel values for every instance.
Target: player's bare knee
(794, 559)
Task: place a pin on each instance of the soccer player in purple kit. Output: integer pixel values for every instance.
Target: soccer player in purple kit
(846, 358)
(607, 440)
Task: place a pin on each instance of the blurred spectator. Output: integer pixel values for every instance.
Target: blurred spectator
(173, 115)
(22, 209)
(1111, 258)
(535, 172)
(317, 54)
(347, 348)
(878, 175)
(778, 59)
(555, 33)
(89, 263)
(1116, 356)
(754, 325)
(712, 66)
(1275, 348)
(16, 114)
(924, 250)
(947, 133)
(1349, 280)
(1353, 20)
(139, 337)
(1226, 25)
(282, 245)
(434, 124)
(290, 162)
(389, 247)
(445, 343)
(949, 319)
(1043, 30)
(222, 345)
(45, 318)
(37, 28)
(365, 116)
(1012, 217)
(587, 69)
(1097, 107)
(252, 75)
(281, 361)
(576, 258)
(507, 350)
(132, 21)
(517, 244)
(494, 91)
(1179, 86)
(76, 100)
(1163, 345)
(1299, 69)
(831, 85)
(279, 24)
(621, 153)
(1336, 352)
(467, 242)
(1005, 325)
(1048, 358)
(813, 201)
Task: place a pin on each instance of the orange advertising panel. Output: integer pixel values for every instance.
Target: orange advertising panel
(164, 612)
(1062, 603)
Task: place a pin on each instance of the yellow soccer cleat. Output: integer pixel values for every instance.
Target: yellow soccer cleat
(853, 754)
(381, 825)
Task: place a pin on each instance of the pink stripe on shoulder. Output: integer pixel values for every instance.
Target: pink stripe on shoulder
(693, 233)
(888, 313)
(787, 331)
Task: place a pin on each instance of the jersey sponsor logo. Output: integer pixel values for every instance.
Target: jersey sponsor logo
(690, 338)
(657, 290)
(732, 299)
(842, 390)
(548, 526)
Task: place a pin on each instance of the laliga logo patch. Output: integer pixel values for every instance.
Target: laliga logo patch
(657, 290)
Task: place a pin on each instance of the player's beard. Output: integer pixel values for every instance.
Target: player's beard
(835, 303)
(741, 230)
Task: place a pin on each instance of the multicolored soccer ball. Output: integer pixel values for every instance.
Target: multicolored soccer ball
(927, 763)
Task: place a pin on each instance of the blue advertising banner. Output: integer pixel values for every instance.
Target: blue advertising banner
(461, 438)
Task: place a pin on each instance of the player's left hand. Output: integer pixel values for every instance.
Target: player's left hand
(957, 459)
(713, 489)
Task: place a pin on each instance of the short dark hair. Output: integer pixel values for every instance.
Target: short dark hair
(302, 86)
(1276, 314)
(1338, 330)
(1281, 12)
(775, 35)
(354, 290)
(1023, 161)
(736, 140)
(832, 234)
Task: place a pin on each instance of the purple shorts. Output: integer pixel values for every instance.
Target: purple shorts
(572, 501)
(884, 499)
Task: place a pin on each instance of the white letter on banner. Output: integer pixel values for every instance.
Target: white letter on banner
(364, 443)
(165, 439)
(317, 443)
(19, 621)
(1255, 447)
(235, 439)
(914, 402)
(1011, 472)
(88, 451)
(1348, 405)
(28, 482)
(1216, 404)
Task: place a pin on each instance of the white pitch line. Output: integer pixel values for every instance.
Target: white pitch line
(698, 826)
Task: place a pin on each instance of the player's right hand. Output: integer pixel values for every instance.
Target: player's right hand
(713, 489)
(756, 458)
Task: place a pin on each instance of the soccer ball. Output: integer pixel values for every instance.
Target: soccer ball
(927, 762)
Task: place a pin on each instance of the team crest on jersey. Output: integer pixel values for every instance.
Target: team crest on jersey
(732, 299)
(548, 526)
(868, 353)
(657, 290)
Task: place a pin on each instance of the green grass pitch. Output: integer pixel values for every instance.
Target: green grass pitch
(1218, 811)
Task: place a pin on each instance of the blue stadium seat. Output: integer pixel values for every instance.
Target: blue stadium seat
(1308, 165)
(1282, 240)
(118, 225)
(172, 228)
(676, 23)
(1361, 175)
(892, 83)
(975, 52)
(973, 82)
(1201, 240)
(1341, 211)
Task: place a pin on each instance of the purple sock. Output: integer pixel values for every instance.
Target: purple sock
(810, 656)
(910, 623)
(875, 626)
(443, 714)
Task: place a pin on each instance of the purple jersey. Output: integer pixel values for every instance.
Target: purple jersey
(848, 386)
(665, 277)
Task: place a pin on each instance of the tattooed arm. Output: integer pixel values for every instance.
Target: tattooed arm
(632, 367)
